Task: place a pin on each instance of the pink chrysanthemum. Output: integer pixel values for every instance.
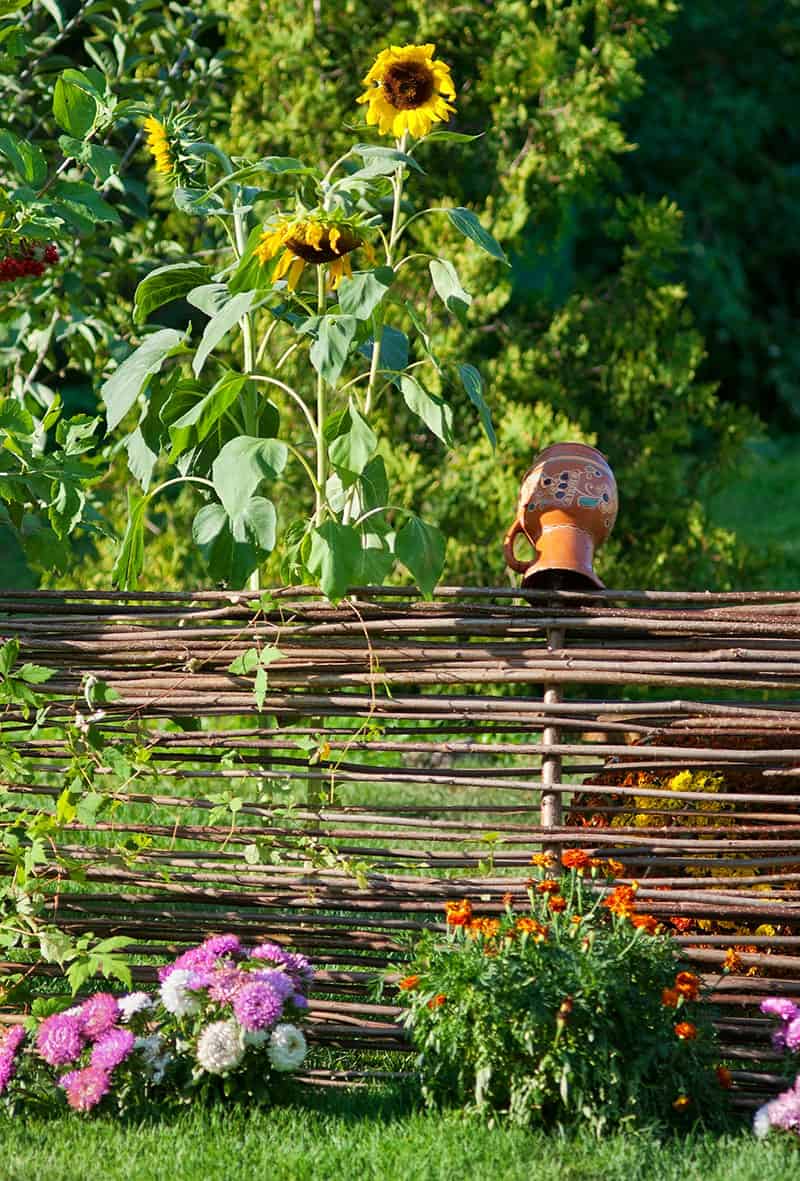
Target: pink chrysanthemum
(8, 1055)
(112, 1047)
(225, 984)
(204, 957)
(59, 1039)
(85, 1088)
(257, 1005)
(277, 980)
(99, 1014)
(780, 1006)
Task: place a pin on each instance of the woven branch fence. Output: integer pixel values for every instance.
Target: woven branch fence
(407, 752)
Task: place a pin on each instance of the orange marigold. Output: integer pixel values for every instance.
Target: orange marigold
(556, 903)
(575, 859)
(436, 1001)
(408, 982)
(483, 926)
(614, 869)
(724, 1077)
(508, 899)
(530, 926)
(548, 886)
(458, 913)
(669, 997)
(688, 985)
(645, 922)
(681, 925)
(685, 1031)
(621, 901)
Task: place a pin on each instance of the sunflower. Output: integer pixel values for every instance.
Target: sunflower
(407, 91)
(158, 143)
(316, 238)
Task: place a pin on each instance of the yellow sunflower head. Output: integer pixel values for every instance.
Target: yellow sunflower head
(408, 91)
(158, 143)
(315, 238)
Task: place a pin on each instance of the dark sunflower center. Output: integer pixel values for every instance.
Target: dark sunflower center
(325, 252)
(408, 85)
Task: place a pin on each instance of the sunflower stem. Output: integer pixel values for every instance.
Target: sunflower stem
(397, 188)
(322, 451)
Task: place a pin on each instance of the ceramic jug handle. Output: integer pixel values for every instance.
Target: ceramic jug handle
(508, 548)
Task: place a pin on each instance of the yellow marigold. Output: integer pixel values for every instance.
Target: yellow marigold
(158, 143)
(614, 869)
(407, 91)
(681, 1103)
(543, 860)
(732, 961)
(316, 238)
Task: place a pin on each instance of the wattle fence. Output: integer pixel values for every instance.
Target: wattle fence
(404, 752)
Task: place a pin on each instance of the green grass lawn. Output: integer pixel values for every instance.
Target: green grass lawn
(366, 1135)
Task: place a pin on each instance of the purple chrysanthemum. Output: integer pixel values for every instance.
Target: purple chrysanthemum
(298, 966)
(225, 984)
(270, 951)
(219, 945)
(204, 957)
(299, 1001)
(277, 980)
(8, 1055)
(257, 1005)
(99, 1014)
(59, 1039)
(780, 1006)
(112, 1048)
(85, 1088)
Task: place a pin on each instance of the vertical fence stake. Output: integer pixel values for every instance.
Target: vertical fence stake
(551, 764)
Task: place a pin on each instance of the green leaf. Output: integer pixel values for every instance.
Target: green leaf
(35, 674)
(122, 389)
(208, 523)
(473, 384)
(27, 160)
(241, 466)
(165, 284)
(360, 295)
(8, 656)
(374, 152)
(375, 561)
(130, 559)
(334, 557)
(193, 426)
(351, 452)
(330, 350)
(453, 137)
(219, 325)
(244, 664)
(448, 287)
(74, 103)
(82, 200)
(421, 549)
(433, 411)
(103, 162)
(258, 522)
(394, 349)
(7, 7)
(466, 221)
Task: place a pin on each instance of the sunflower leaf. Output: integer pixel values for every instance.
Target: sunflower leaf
(466, 221)
(421, 549)
(361, 294)
(448, 287)
(434, 412)
(473, 385)
(375, 152)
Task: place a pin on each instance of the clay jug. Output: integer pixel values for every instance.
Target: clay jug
(567, 507)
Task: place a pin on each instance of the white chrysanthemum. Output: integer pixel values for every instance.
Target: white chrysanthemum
(761, 1122)
(155, 1062)
(176, 996)
(135, 1002)
(219, 1047)
(149, 1047)
(287, 1047)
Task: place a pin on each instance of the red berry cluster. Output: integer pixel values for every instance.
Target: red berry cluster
(27, 260)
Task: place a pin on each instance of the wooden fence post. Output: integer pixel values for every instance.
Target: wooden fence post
(551, 811)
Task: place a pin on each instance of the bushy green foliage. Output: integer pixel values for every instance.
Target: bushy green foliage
(717, 129)
(609, 358)
(559, 1015)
